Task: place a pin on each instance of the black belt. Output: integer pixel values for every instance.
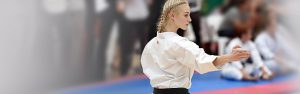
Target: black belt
(171, 91)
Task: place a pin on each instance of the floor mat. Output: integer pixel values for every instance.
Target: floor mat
(209, 83)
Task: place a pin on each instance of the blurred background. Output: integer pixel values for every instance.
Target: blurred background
(63, 46)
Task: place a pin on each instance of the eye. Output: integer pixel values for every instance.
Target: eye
(186, 15)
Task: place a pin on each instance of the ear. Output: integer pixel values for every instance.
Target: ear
(172, 16)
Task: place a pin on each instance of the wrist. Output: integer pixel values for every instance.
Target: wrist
(228, 58)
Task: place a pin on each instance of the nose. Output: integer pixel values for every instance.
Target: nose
(189, 20)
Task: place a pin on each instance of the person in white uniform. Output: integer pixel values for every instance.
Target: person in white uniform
(273, 49)
(247, 69)
(169, 60)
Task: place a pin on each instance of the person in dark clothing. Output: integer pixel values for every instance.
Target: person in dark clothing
(107, 17)
(132, 27)
(90, 28)
(155, 11)
(237, 19)
(195, 6)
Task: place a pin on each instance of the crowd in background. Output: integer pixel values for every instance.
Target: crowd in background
(47, 45)
(113, 34)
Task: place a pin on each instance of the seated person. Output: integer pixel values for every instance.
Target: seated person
(271, 48)
(250, 69)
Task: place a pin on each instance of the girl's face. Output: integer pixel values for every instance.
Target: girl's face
(181, 16)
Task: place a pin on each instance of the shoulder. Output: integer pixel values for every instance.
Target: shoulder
(149, 44)
(261, 35)
(251, 44)
(183, 44)
(182, 41)
(262, 38)
(235, 41)
(232, 43)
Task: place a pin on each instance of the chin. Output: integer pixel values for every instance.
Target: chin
(184, 29)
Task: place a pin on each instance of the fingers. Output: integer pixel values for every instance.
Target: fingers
(240, 50)
(244, 57)
(242, 54)
(237, 46)
(239, 53)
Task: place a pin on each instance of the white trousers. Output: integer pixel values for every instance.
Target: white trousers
(232, 72)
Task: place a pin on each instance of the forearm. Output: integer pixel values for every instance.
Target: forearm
(237, 54)
(221, 60)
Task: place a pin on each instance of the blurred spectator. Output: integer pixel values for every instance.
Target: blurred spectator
(271, 47)
(55, 31)
(107, 16)
(211, 21)
(155, 11)
(90, 25)
(237, 19)
(259, 10)
(250, 69)
(195, 6)
(134, 14)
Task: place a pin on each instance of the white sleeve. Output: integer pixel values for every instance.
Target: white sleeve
(263, 48)
(237, 64)
(255, 56)
(230, 46)
(190, 55)
(232, 43)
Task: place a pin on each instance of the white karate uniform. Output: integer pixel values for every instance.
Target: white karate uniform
(170, 60)
(276, 46)
(268, 47)
(233, 70)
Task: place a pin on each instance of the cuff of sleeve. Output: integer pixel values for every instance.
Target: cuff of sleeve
(211, 65)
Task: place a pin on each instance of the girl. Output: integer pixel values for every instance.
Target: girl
(170, 60)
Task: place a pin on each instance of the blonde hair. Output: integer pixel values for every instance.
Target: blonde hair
(168, 6)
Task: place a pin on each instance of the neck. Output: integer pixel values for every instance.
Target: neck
(171, 28)
(271, 32)
(244, 41)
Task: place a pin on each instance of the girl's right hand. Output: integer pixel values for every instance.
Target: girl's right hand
(238, 54)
